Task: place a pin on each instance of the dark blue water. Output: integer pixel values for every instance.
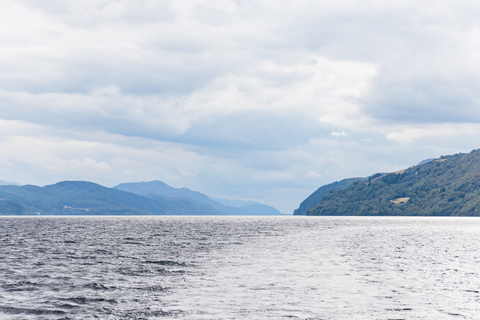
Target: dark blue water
(239, 268)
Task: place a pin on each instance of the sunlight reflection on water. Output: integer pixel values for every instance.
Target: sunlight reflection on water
(239, 268)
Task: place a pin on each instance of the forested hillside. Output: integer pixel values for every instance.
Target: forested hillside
(449, 186)
(317, 196)
(87, 198)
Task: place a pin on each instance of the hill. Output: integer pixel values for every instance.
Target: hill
(87, 198)
(448, 186)
(158, 189)
(8, 183)
(317, 196)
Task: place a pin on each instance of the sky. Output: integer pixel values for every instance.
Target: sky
(249, 99)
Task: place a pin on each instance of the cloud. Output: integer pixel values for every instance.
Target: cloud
(250, 108)
(338, 134)
(313, 175)
(260, 100)
(444, 131)
(97, 12)
(430, 100)
(423, 53)
(63, 155)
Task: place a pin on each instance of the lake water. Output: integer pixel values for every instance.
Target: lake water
(167, 267)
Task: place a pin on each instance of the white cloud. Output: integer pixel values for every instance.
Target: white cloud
(313, 175)
(413, 133)
(246, 99)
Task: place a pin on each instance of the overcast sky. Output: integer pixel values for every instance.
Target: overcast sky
(261, 100)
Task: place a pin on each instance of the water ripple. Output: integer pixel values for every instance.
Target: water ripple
(239, 268)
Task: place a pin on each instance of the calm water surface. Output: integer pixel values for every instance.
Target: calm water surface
(239, 268)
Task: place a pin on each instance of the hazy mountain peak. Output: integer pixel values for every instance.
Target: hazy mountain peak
(235, 203)
(157, 188)
(7, 183)
(144, 187)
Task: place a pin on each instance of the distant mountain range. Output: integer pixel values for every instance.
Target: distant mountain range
(448, 186)
(6, 183)
(156, 189)
(144, 198)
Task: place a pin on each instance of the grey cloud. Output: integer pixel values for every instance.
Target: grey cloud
(414, 100)
(426, 56)
(82, 69)
(95, 13)
(229, 85)
(125, 115)
(375, 31)
(240, 131)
